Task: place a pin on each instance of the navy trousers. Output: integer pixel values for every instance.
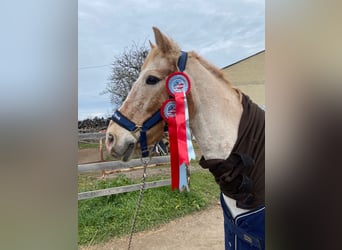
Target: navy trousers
(246, 231)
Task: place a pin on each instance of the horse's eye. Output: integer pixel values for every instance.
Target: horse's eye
(152, 80)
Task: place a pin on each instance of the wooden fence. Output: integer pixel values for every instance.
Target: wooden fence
(114, 165)
(88, 137)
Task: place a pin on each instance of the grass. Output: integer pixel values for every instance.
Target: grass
(105, 217)
(82, 145)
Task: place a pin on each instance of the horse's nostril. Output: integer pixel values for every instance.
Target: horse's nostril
(110, 138)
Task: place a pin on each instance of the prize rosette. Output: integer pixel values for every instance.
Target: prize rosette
(168, 109)
(175, 113)
(168, 112)
(178, 82)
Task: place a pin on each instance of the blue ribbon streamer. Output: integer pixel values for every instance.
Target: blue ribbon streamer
(183, 178)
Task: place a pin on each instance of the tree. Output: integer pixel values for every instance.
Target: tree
(125, 71)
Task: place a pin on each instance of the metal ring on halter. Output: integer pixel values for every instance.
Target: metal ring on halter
(137, 129)
(146, 160)
(134, 133)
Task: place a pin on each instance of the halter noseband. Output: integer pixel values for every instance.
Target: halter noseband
(127, 124)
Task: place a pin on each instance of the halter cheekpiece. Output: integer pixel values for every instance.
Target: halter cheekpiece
(127, 124)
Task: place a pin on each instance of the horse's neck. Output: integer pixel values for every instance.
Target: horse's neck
(215, 119)
(216, 112)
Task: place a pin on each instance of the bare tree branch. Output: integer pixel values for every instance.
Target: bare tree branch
(125, 71)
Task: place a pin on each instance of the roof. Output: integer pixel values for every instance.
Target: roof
(244, 59)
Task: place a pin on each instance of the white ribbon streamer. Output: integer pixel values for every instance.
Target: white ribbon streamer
(191, 151)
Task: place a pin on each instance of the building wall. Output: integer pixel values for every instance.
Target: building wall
(248, 75)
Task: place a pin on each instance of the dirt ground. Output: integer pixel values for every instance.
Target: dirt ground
(88, 155)
(202, 230)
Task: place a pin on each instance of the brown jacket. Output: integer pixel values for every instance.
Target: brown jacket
(242, 175)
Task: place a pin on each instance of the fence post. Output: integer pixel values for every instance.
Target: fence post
(101, 150)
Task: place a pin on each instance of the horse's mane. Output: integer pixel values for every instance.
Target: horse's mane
(214, 70)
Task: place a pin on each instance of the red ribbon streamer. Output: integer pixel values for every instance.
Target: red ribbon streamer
(181, 129)
(172, 127)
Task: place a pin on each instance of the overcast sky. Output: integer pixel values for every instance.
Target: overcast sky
(222, 31)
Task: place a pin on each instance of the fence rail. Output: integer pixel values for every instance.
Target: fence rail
(123, 189)
(113, 165)
(95, 136)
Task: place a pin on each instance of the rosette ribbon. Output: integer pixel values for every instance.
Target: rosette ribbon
(176, 113)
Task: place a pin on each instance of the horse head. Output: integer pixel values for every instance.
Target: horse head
(145, 99)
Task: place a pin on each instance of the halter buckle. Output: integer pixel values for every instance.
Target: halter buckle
(135, 131)
(138, 128)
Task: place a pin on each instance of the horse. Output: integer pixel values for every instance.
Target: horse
(227, 125)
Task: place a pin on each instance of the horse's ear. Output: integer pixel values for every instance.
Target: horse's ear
(162, 41)
(151, 44)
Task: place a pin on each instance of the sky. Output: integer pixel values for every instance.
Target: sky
(221, 31)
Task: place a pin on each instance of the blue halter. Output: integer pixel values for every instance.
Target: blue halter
(124, 122)
(127, 124)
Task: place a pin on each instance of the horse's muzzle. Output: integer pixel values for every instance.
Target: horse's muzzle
(120, 147)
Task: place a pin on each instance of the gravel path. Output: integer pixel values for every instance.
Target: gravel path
(202, 230)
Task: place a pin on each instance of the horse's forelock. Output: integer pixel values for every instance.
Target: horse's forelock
(171, 57)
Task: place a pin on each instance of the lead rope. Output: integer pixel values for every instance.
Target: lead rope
(142, 189)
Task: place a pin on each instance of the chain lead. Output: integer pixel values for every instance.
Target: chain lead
(145, 161)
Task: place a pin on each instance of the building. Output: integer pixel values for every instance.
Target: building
(248, 75)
